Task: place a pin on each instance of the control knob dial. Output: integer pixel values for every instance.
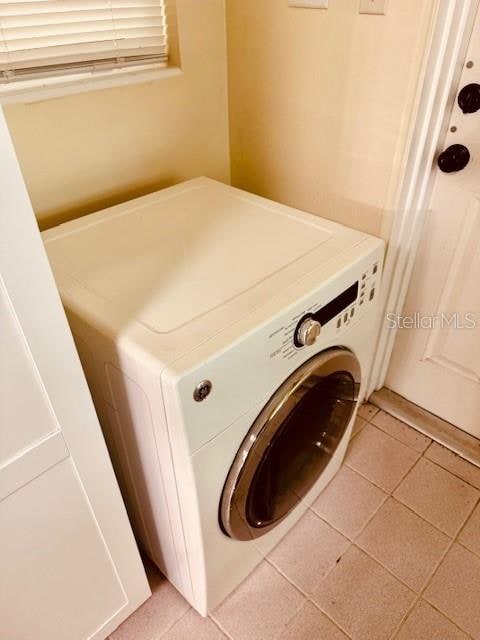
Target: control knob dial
(308, 332)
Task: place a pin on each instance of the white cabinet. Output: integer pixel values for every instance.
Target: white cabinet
(70, 567)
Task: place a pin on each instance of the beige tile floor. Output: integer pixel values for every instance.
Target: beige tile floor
(391, 549)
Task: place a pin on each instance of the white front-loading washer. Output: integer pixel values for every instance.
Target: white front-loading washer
(225, 339)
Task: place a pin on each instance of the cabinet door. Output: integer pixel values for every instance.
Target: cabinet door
(69, 563)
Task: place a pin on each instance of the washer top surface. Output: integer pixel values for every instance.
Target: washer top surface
(171, 257)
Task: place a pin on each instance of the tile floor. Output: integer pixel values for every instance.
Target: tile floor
(391, 549)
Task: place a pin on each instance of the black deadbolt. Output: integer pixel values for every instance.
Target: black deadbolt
(469, 98)
(454, 158)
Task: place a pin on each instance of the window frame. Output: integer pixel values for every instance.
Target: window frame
(57, 86)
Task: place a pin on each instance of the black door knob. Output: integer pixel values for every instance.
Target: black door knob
(469, 98)
(454, 158)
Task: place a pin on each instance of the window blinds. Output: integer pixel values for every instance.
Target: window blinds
(52, 37)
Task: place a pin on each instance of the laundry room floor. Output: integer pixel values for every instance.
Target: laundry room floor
(391, 549)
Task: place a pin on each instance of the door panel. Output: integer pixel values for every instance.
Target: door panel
(26, 403)
(438, 366)
(69, 563)
(63, 577)
(450, 347)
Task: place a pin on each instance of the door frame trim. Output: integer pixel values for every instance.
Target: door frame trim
(443, 65)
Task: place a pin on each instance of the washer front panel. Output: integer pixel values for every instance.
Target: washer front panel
(247, 371)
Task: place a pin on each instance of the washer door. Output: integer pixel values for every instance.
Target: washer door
(290, 444)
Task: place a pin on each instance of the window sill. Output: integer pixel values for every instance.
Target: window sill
(57, 87)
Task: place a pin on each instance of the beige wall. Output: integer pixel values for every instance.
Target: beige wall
(82, 152)
(320, 105)
(321, 102)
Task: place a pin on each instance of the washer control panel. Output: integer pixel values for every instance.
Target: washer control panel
(308, 328)
(331, 318)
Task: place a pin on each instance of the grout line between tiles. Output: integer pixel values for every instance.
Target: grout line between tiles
(418, 596)
(219, 626)
(439, 430)
(419, 515)
(457, 540)
(388, 491)
(420, 593)
(352, 539)
(447, 535)
(453, 540)
(455, 624)
(452, 473)
(289, 580)
(398, 628)
(358, 432)
(449, 546)
(367, 553)
(284, 575)
(464, 546)
(367, 522)
(296, 587)
(346, 463)
(327, 573)
(449, 470)
(393, 576)
(392, 435)
(422, 454)
(353, 544)
(434, 570)
(297, 612)
(173, 623)
(377, 410)
(419, 454)
(334, 622)
(330, 524)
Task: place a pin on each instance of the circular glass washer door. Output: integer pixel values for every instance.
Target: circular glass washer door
(290, 443)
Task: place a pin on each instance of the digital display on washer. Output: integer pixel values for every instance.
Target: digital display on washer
(337, 305)
(326, 313)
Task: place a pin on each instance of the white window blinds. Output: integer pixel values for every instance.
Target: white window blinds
(53, 37)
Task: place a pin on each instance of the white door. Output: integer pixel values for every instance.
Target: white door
(69, 564)
(436, 364)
